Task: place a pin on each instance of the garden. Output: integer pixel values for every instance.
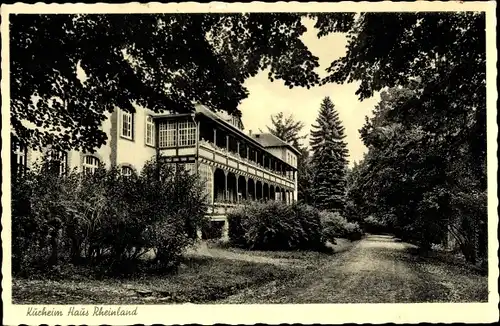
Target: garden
(108, 238)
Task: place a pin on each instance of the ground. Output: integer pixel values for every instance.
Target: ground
(377, 269)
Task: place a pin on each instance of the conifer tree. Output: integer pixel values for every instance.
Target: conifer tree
(329, 159)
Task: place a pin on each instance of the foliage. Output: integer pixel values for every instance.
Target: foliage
(304, 177)
(158, 61)
(38, 216)
(274, 225)
(373, 225)
(213, 230)
(287, 129)
(412, 183)
(103, 219)
(427, 139)
(329, 160)
(337, 226)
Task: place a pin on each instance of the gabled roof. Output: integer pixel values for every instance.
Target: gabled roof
(270, 140)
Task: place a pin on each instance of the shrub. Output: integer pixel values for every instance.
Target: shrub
(212, 230)
(375, 224)
(38, 200)
(104, 219)
(336, 226)
(274, 225)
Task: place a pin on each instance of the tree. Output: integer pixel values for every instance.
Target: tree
(414, 183)
(432, 121)
(158, 61)
(329, 160)
(288, 129)
(304, 176)
(444, 52)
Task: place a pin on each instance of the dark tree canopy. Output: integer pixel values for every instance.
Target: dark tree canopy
(422, 184)
(425, 172)
(162, 62)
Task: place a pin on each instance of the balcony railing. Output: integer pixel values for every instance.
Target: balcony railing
(245, 160)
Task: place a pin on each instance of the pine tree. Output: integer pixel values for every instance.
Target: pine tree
(329, 159)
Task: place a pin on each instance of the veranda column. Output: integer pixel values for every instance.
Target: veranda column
(246, 188)
(225, 186)
(237, 191)
(215, 137)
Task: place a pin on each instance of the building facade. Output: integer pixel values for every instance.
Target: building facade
(236, 167)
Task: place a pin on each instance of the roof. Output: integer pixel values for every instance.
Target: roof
(270, 140)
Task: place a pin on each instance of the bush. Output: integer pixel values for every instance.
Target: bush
(373, 224)
(336, 226)
(104, 219)
(212, 230)
(274, 225)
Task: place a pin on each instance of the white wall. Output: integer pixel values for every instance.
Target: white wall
(117, 149)
(134, 152)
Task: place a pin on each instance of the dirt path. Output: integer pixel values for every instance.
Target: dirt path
(378, 269)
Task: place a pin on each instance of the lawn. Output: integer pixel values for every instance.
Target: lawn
(207, 274)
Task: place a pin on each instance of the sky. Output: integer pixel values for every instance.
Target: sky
(267, 98)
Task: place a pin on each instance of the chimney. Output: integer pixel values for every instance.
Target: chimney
(250, 132)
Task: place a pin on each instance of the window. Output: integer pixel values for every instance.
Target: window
(59, 161)
(187, 133)
(167, 134)
(150, 131)
(127, 171)
(18, 158)
(90, 164)
(127, 125)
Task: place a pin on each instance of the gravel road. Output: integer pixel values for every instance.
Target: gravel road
(377, 269)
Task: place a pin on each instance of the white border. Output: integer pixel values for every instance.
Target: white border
(270, 314)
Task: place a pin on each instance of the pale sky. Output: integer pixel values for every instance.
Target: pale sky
(267, 98)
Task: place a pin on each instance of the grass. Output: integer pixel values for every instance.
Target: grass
(200, 279)
(376, 269)
(340, 246)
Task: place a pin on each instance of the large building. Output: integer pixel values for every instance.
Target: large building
(237, 167)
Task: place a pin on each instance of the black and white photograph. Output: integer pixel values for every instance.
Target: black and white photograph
(213, 163)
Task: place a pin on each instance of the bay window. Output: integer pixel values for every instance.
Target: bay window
(187, 133)
(167, 134)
